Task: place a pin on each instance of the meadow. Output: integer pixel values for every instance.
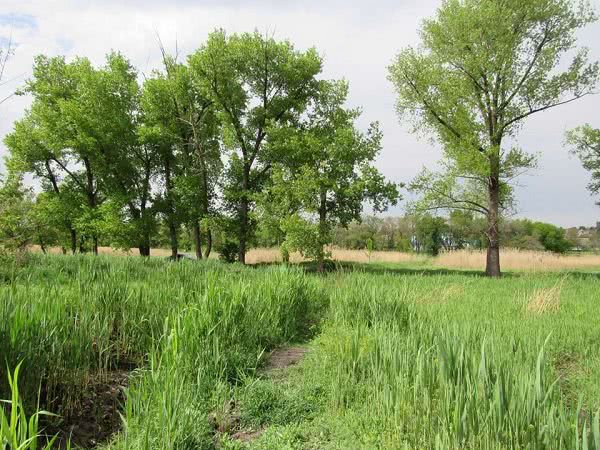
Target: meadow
(133, 353)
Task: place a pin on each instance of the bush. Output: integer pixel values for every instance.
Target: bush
(228, 251)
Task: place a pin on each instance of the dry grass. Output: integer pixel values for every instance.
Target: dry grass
(545, 300)
(442, 294)
(267, 255)
(511, 259)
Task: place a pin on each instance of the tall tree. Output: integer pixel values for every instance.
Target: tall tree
(483, 67)
(585, 141)
(324, 169)
(256, 83)
(63, 109)
(199, 157)
(16, 228)
(31, 152)
(159, 132)
(124, 166)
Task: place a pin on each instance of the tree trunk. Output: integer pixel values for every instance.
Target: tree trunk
(43, 246)
(197, 239)
(171, 210)
(244, 206)
(73, 241)
(322, 230)
(208, 243)
(492, 268)
(92, 197)
(95, 243)
(144, 246)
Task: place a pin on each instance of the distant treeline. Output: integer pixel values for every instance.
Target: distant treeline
(461, 230)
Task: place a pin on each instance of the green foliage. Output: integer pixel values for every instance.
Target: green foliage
(585, 142)
(551, 237)
(228, 250)
(324, 173)
(16, 227)
(256, 84)
(17, 431)
(529, 235)
(482, 68)
(429, 234)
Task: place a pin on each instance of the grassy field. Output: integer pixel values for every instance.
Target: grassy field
(396, 354)
(512, 259)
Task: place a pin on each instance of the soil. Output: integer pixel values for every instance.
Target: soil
(98, 417)
(284, 357)
(279, 360)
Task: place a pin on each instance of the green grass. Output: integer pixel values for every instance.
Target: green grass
(399, 357)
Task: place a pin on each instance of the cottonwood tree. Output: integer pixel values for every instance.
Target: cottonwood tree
(31, 152)
(62, 109)
(199, 167)
(585, 141)
(16, 227)
(256, 84)
(483, 67)
(81, 131)
(324, 170)
(124, 165)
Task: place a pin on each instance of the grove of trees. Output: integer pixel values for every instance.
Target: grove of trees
(243, 142)
(197, 145)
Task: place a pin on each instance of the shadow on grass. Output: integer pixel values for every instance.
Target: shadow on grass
(337, 267)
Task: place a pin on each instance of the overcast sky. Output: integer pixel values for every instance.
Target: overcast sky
(357, 40)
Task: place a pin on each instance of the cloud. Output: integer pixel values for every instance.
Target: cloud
(17, 20)
(358, 40)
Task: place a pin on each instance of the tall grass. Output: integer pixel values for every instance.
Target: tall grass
(17, 431)
(413, 361)
(187, 326)
(471, 371)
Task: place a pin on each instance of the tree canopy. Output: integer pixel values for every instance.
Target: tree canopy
(481, 69)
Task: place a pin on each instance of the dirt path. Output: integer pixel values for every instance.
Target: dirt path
(278, 363)
(283, 358)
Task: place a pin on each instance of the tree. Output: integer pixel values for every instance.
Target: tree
(31, 152)
(429, 234)
(200, 166)
(483, 67)
(82, 128)
(64, 108)
(109, 115)
(160, 133)
(256, 83)
(16, 228)
(553, 238)
(585, 141)
(324, 163)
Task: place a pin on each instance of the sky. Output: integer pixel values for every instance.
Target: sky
(358, 41)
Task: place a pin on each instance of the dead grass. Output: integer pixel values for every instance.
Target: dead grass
(267, 255)
(442, 294)
(511, 259)
(544, 300)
